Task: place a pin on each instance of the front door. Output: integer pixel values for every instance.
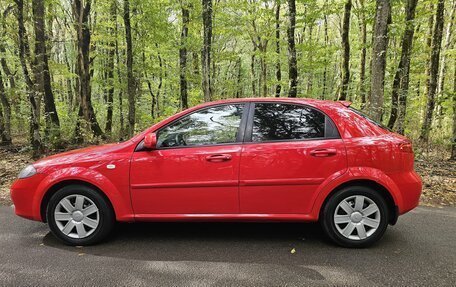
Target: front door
(289, 152)
(195, 168)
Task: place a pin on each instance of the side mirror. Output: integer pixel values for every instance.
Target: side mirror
(150, 141)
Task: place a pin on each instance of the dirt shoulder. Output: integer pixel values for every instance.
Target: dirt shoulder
(438, 174)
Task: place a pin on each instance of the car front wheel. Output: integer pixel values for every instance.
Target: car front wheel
(79, 215)
(355, 216)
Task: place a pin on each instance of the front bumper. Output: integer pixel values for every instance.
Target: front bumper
(23, 192)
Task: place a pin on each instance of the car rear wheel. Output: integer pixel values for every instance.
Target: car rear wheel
(79, 215)
(355, 216)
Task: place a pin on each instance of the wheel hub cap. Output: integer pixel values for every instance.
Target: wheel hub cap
(357, 217)
(77, 216)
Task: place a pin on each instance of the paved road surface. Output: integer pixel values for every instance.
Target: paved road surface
(419, 250)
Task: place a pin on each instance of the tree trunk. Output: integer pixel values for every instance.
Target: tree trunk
(310, 61)
(453, 141)
(277, 36)
(239, 78)
(325, 71)
(379, 48)
(4, 101)
(252, 70)
(264, 72)
(401, 78)
(130, 78)
(42, 74)
(160, 82)
(292, 62)
(206, 51)
(346, 53)
(6, 113)
(362, 73)
(24, 51)
(428, 45)
(433, 71)
(183, 58)
(119, 77)
(5, 134)
(110, 71)
(81, 15)
(442, 72)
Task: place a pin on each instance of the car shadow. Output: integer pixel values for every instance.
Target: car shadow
(202, 241)
(285, 243)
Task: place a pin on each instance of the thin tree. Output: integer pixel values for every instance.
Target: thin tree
(346, 53)
(10, 78)
(183, 57)
(326, 38)
(81, 13)
(378, 65)
(453, 140)
(119, 78)
(6, 113)
(41, 69)
(433, 71)
(110, 69)
(206, 50)
(362, 63)
(443, 64)
(131, 89)
(277, 36)
(24, 56)
(292, 62)
(5, 135)
(401, 78)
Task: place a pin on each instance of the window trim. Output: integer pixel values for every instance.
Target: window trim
(328, 123)
(240, 133)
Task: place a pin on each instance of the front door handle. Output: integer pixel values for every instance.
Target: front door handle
(218, 157)
(324, 152)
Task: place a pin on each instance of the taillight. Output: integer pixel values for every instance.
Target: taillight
(406, 147)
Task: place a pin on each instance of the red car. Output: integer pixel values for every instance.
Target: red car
(234, 160)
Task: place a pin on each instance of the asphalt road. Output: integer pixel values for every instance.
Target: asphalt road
(419, 250)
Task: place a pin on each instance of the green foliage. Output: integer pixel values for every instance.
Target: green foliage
(242, 31)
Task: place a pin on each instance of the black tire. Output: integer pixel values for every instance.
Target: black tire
(106, 215)
(328, 212)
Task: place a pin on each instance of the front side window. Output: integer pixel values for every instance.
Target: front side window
(273, 121)
(217, 125)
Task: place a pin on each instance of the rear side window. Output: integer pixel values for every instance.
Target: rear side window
(277, 121)
(369, 119)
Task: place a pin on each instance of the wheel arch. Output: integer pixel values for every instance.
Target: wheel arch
(385, 193)
(57, 186)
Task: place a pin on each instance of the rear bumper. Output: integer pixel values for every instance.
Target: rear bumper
(410, 187)
(22, 194)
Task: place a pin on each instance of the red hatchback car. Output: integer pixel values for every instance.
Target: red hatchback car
(234, 160)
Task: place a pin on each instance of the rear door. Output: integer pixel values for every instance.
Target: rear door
(289, 151)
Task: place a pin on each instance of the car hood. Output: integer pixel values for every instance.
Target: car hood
(91, 153)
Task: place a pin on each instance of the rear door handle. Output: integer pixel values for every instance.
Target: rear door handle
(324, 152)
(218, 157)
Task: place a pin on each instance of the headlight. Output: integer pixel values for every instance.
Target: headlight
(28, 171)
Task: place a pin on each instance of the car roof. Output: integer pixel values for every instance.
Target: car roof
(311, 102)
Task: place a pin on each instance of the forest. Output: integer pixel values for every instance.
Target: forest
(87, 71)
